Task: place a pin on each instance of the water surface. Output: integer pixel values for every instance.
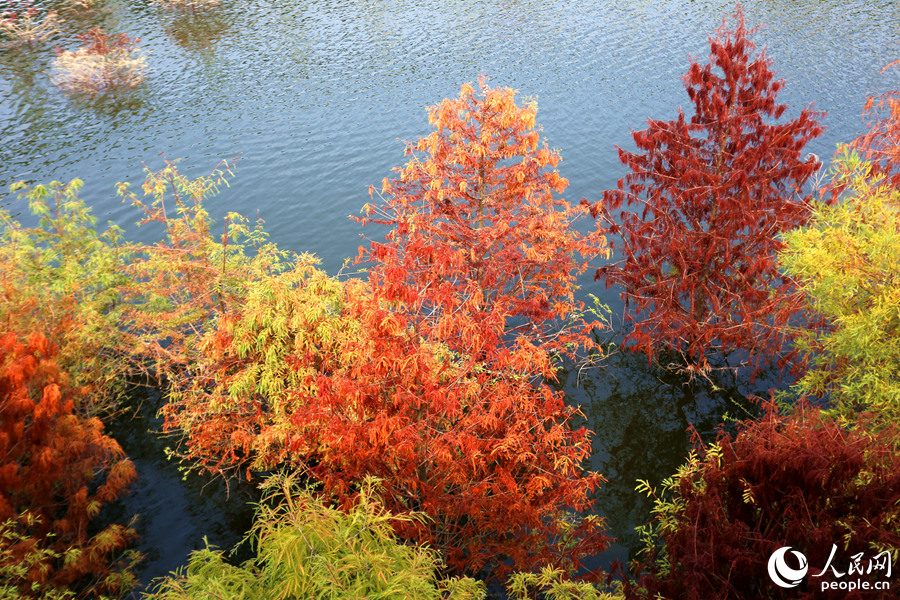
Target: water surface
(317, 97)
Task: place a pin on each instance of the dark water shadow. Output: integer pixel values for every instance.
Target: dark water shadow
(175, 511)
(641, 417)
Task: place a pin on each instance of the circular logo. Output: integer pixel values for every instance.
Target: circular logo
(782, 574)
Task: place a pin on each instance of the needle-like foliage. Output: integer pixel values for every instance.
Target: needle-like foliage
(801, 480)
(427, 375)
(57, 470)
(847, 263)
(305, 549)
(65, 277)
(479, 231)
(713, 190)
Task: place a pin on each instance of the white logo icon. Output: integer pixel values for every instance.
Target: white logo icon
(782, 574)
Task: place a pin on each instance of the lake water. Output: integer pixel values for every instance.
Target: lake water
(317, 97)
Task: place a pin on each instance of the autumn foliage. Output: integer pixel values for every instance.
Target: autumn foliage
(880, 145)
(307, 549)
(433, 373)
(845, 261)
(472, 293)
(22, 24)
(488, 454)
(713, 190)
(428, 375)
(63, 278)
(57, 471)
(477, 226)
(104, 63)
(800, 480)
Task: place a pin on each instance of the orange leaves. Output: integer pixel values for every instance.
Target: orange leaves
(438, 430)
(880, 145)
(427, 375)
(464, 212)
(52, 458)
(444, 405)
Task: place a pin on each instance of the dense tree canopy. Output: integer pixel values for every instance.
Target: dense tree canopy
(713, 190)
(57, 470)
(426, 375)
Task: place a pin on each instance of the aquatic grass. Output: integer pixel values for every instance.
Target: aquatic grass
(22, 24)
(104, 64)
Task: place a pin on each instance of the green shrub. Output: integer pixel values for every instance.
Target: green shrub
(305, 549)
(551, 584)
(65, 278)
(847, 262)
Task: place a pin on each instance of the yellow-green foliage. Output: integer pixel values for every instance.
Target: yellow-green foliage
(847, 262)
(552, 584)
(306, 550)
(64, 278)
(17, 565)
(297, 313)
(182, 286)
(669, 506)
(220, 315)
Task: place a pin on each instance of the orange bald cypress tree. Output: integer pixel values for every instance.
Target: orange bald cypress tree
(471, 296)
(428, 375)
(477, 225)
(57, 470)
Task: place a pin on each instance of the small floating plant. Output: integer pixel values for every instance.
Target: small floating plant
(104, 63)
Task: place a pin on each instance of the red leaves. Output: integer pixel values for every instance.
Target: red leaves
(713, 193)
(800, 480)
(880, 145)
(97, 41)
(51, 458)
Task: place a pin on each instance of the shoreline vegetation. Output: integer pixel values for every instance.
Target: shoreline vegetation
(403, 423)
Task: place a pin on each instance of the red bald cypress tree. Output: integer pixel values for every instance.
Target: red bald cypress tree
(713, 190)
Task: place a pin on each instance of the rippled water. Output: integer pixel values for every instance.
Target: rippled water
(316, 96)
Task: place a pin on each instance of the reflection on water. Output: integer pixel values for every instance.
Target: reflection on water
(641, 419)
(197, 31)
(315, 96)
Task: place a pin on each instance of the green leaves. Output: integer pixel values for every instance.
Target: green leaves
(552, 584)
(306, 549)
(66, 279)
(846, 263)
